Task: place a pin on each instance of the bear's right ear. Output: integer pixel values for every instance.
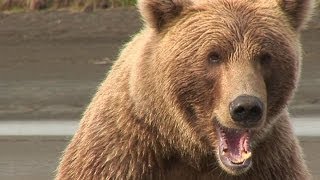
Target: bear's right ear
(299, 11)
(157, 13)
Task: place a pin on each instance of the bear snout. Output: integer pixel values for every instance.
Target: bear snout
(246, 111)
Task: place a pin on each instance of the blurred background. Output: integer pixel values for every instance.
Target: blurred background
(54, 54)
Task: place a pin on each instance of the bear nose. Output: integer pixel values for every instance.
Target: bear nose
(246, 110)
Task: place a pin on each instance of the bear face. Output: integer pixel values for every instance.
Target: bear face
(229, 67)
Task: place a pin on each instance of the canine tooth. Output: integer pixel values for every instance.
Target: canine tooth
(246, 155)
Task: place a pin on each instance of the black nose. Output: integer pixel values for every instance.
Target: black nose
(246, 110)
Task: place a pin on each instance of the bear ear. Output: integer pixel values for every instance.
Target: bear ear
(299, 11)
(157, 13)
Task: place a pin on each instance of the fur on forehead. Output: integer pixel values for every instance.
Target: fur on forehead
(157, 13)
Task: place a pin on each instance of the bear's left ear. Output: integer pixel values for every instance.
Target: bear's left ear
(157, 13)
(299, 11)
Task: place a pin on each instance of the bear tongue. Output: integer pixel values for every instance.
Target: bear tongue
(235, 145)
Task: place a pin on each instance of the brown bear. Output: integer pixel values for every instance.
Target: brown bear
(200, 93)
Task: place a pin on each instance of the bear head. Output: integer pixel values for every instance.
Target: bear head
(222, 71)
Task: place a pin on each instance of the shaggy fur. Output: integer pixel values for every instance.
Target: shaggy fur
(153, 117)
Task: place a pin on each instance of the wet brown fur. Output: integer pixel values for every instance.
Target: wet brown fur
(153, 117)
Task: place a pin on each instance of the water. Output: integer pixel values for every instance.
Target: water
(303, 126)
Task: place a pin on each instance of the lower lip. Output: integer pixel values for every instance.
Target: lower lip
(235, 168)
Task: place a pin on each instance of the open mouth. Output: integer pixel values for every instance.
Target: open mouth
(234, 149)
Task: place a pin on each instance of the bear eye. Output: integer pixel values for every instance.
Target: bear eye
(265, 58)
(214, 58)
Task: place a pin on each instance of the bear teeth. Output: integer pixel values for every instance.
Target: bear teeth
(234, 144)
